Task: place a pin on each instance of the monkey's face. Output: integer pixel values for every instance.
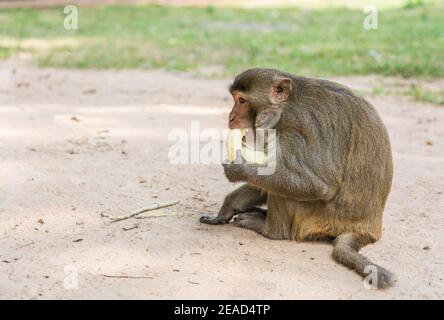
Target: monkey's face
(259, 95)
(243, 115)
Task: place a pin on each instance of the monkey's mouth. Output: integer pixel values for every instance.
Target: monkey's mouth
(237, 140)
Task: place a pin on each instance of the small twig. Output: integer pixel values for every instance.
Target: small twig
(131, 228)
(141, 210)
(157, 215)
(124, 277)
(25, 245)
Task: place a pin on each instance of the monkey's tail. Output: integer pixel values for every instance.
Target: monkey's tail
(346, 252)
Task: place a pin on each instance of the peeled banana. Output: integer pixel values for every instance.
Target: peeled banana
(234, 143)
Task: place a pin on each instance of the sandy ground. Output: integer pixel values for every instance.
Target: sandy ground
(76, 144)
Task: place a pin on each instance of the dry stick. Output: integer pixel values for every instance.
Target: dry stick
(131, 228)
(25, 245)
(157, 215)
(141, 210)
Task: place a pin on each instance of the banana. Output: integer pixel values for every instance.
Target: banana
(234, 143)
(253, 156)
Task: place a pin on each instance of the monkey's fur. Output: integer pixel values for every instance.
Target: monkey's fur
(333, 165)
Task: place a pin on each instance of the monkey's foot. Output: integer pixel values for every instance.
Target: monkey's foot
(251, 220)
(213, 220)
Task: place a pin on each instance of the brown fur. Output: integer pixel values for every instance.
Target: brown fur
(334, 164)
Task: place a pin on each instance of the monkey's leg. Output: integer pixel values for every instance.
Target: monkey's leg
(239, 200)
(254, 209)
(251, 220)
(346, 250)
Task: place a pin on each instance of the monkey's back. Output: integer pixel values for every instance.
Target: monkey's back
(367, 173)
(357, 163)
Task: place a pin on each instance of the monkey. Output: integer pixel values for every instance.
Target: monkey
(333, 172)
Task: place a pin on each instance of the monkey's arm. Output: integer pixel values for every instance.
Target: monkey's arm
(293, 178)
(240, 199)
(301, 184)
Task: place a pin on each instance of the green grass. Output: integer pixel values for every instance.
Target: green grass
(416, 93)
(321, 42)
(420, 94)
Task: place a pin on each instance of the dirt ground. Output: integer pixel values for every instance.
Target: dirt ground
(76, 144)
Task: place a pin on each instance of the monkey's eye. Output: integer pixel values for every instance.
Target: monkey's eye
(242, 100)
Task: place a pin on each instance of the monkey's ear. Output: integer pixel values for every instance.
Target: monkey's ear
(281, 90)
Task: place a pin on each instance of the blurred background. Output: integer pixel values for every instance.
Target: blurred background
(222, 38)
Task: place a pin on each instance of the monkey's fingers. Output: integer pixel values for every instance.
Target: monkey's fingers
(213, 220)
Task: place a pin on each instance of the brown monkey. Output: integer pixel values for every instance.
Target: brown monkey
(333, 165)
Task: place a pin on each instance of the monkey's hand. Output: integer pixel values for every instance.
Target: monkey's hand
(239, 169)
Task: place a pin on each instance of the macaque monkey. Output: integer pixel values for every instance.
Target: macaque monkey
(333, 166)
